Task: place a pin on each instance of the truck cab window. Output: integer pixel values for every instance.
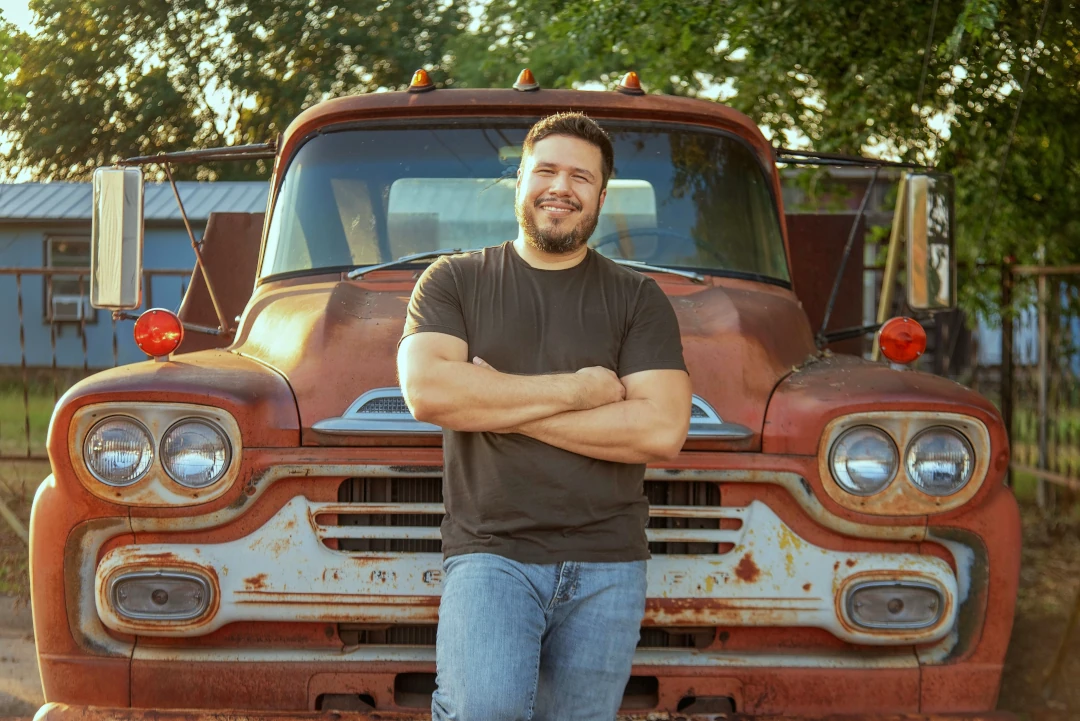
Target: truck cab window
(680, 196)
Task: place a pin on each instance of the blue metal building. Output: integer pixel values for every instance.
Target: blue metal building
(45, 315)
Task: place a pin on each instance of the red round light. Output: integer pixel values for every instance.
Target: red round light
(902, 340)
(158, 332)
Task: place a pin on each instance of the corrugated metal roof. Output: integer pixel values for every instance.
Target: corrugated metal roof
(73, 201)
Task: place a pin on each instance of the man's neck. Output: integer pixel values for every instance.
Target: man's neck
(548, 261)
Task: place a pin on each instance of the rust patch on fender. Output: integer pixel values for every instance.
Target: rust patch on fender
(256, 583)
(806, 587)
(747, 570)
(850, 562)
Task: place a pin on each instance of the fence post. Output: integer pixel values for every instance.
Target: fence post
(1007, 356)
(1044, 494)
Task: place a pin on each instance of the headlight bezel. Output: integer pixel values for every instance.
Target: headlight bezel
(902, 497)
(155, 488)
(126, 419)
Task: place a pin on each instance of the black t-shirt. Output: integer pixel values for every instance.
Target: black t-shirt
(513, 495)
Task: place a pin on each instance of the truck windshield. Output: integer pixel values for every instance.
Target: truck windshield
(681, 197)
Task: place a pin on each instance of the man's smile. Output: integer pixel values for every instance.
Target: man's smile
(557, 208)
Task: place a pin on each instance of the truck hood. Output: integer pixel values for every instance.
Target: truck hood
(336, 339)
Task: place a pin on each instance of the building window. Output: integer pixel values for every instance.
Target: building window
(67, 297)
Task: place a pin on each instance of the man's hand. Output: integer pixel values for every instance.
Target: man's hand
(599, 385)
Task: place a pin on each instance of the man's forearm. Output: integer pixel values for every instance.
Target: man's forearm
(633, 431)
(465, 397)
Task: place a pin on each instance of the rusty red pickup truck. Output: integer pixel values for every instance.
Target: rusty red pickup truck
(246, 525)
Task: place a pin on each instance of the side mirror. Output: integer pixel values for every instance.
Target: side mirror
(931, 243)
(116, 239)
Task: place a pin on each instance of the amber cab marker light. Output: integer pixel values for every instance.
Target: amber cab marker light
(630, 84)
(902, 340)
(526, 82)
(158, 332)
(421, 82)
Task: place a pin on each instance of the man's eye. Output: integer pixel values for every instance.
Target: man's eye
(582, 178)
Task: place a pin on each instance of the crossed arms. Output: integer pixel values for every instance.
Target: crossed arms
(639, 418)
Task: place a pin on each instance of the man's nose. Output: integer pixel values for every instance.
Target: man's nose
(560, 184)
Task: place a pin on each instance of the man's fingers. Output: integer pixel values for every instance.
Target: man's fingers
(477, 360)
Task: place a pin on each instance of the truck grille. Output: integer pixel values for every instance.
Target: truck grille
(390, 490)
(693, 493)
(429, 490)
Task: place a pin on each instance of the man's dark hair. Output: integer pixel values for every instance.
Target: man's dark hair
(576, 125)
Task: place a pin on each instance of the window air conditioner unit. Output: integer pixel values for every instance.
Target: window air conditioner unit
(70, 308)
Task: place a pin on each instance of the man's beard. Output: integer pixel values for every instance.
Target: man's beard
(554, 241)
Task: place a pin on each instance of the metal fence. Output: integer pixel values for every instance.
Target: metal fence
(55, 354)
(1040, 373)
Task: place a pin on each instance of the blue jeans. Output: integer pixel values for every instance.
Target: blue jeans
(521, 641)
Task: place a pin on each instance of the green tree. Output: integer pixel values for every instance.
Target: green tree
(848, 77)
(104, 80)
(9, 62)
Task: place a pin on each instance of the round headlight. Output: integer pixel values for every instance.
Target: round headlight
(195, 453)
(939, 461)
(118, 451)
(864, 460)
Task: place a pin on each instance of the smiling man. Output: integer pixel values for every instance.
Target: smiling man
(556, 376)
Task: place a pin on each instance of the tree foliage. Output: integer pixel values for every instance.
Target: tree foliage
(9, 62)
(849, 77)
(104, 80)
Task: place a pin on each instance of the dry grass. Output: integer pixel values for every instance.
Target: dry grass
(18, 482)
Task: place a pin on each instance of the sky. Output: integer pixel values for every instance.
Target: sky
(17, 13)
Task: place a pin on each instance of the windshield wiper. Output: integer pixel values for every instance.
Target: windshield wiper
(353, 274)
(639, 265)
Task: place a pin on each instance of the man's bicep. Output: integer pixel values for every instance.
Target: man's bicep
(424, 348)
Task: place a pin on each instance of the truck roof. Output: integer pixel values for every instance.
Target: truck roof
(498, 102)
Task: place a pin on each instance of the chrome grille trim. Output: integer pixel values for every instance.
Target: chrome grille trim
(427, 533)
(383, 411)
(380, 411)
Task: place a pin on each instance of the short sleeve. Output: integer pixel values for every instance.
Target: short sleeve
(652, 341)
(435, 305)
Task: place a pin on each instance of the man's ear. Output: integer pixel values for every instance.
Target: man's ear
(600, 205)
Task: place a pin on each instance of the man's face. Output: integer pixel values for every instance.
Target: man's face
(559, 193)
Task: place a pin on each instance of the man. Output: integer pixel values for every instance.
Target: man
(556, 375)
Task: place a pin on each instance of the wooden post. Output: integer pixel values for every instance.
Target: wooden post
(892, 261)
(1044, 493)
